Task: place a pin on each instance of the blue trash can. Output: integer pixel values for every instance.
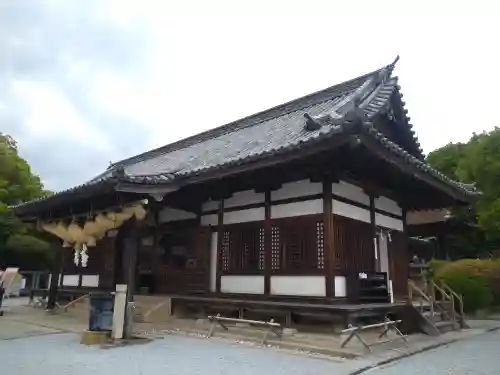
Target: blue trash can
(101, 312)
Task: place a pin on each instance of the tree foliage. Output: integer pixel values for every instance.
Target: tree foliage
(17, 184)
(477, 161)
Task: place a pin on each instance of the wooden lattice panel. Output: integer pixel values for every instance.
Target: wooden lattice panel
(275, 248)
(320, 244)
(262, 253)
(225, 250)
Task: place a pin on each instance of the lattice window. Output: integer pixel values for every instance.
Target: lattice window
(320, 244)
(226, 239)
(262, 253)
(298, 244)
(244, 250)
(275, 248)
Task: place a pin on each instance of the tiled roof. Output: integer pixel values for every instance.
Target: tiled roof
(261, 134)
(271, 132)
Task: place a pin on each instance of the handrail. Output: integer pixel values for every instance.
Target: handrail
(422, 295)
(419, 291)
(444, 296)
(441, 290)
(71, 303)
(460, 302)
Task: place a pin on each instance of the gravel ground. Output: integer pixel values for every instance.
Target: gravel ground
(474, 356)
(62, 354)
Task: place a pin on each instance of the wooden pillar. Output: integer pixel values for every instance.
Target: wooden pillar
(131, 245)
(54, 277)
(63, 261)
(406, 242)
(376, 239)
(328, 240)
(267, 243)
(80, 270)
(220, 235)
(118, 264)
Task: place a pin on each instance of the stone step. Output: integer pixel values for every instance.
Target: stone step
(445, 326)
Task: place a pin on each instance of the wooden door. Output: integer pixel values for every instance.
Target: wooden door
(198, 266)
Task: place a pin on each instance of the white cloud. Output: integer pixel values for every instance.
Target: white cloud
(50, 115)
(118, 77)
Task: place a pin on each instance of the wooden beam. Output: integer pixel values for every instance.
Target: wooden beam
(63, 261)
(376, 239)
(411, 169)
(328, 244)
(80, 270)
(54, 277)
(141, 188)
(220, 234)
(267, 243)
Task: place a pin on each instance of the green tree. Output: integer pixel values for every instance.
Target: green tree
(18, 241)
(477, 161)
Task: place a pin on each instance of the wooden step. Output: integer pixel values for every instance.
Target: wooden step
(445, 326)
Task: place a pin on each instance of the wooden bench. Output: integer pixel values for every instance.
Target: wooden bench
(270, 326)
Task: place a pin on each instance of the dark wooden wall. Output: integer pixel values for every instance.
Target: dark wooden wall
(399, 262)
(353, 244)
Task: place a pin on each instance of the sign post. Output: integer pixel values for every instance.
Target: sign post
(119, 312)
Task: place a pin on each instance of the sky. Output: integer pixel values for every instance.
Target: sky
(86, 83)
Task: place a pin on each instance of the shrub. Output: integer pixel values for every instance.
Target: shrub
(435, 266)
(487, 269)
(475, 290)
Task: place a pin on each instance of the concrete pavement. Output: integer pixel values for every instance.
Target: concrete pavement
(476, 356)
(32, 341)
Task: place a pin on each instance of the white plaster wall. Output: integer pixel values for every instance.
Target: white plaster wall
(297, 209)
(388, 222)
(427, 216)
(351, 192)
(242, 284)
(213, 261)
(388, 205)
(210, 206)
(173, 214)
(350, 211)
(91, 281)
(242, 198)
(243, 216)
(313, 286)
(70, 280)
(297, 189)
(340, 286)
(211, 219)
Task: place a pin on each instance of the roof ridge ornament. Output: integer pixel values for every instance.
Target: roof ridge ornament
(119, 172)
(311, 123)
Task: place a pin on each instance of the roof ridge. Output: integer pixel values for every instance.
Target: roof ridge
(256, 118)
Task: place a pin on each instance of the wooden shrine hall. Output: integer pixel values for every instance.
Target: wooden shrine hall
(303, 206)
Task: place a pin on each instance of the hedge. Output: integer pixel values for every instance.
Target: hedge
(477, 280)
